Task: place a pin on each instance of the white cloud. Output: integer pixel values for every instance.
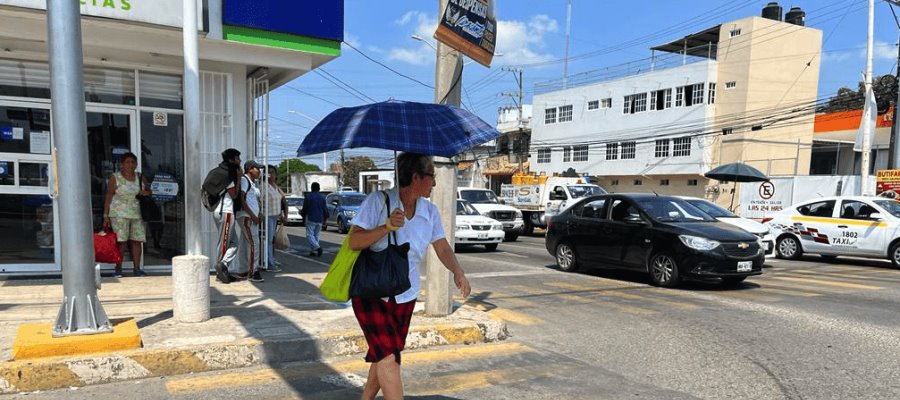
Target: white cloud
(837, 56)
(884, 50)
(423, 25)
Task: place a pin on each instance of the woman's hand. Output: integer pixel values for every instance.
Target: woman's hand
(397, 218)
(462, 283)
(145, 192)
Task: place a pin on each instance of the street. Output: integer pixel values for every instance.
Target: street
(804, 329)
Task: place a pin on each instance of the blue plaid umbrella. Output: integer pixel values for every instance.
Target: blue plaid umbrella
(426, 128)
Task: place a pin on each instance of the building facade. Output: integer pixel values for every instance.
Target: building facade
(133, 68)
(743, 90)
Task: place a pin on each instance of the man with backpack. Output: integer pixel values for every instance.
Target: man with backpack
(248, 222)
(222, 202)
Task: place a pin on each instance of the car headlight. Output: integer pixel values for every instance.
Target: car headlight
(350, 213)
(462, 227)
(497, 227)
(698, 243)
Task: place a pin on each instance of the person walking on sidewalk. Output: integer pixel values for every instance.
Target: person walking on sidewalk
(276, 211)
(314, 215)
(226, 249)
(248, 222)
(122, 212)
(385, 322)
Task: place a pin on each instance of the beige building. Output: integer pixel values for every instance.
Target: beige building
(743, 90)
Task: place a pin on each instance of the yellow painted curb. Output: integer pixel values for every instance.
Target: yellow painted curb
(36, 341)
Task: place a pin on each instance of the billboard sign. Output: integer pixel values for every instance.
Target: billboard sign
(887, 183)
(156, 12)
(470, 27)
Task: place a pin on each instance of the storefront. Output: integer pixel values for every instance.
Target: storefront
(133, 95)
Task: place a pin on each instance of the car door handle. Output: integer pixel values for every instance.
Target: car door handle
(842, 226)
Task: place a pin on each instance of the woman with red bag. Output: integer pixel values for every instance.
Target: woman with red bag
(122, 211)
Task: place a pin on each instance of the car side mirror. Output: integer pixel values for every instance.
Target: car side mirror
(876, 216)
(556, 196)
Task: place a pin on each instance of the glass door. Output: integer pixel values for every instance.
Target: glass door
(27, 230)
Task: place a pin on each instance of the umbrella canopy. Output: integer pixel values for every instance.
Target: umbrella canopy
(426, 128)
(736, 172)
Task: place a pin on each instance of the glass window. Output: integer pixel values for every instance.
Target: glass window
(606, 103)
(34, 174)
(663, 182)
(681, 147)
(565, 113)
(165, 91)
(26, 226)
(580, 153)
(891, 206)
(593, 105)
(679, 96)
(662, 148)
(7, 172)
(697, 91)
(543, 156)
(550, 116)
(711, 98)
(24, 79)
(567, 154)
(109, 86)
(817, 209)
(855, 209)
(692, 182)
(612, 151)
(19, 126)
(594, 209)
(162, 160)
(628, 150)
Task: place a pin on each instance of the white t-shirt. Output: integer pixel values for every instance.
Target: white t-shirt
(425, 228)
(247, 186)
(226, 202)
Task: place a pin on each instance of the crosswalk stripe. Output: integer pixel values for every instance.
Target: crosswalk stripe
(837, 275)
(480, 379)
(819, 281)
(260, 377)
(654, 299)
(795, 286)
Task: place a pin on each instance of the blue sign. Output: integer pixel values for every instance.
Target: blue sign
(6, 132)
(4, 168)
(164, 187)
(313, 18)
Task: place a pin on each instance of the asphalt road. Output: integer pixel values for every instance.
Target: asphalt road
(802, 330)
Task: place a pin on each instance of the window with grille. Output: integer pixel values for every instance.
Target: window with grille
(681, 147)
(606, 103)
(711, 96)
(593, 105)
(679, 96)
(626, 104)
(567, 154)
(692, 182)
(550, 116)
(662, 148)
(628, 150)
(635, 103)
(735, 32)
(543, 156)
(668, 103)
(565, 113)
(698, 93)
(653, 98)
(664, 182)
(730, 85)
(661, 99)
(612, 151)
(580, 153)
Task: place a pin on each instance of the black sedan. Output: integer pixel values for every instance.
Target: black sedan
(662, 235)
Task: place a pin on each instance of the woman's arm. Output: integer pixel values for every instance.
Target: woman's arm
(110, 192)
(362, 238)
(445, 254)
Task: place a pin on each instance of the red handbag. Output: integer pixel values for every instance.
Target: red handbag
(106, 250)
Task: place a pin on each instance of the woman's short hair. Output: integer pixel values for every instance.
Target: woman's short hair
(412, 163)
(129, 155)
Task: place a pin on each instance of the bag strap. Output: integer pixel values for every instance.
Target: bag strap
(387, 209)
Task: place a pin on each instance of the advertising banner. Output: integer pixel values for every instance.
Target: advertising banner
(887, 183)
(470, 27)
(157, 12)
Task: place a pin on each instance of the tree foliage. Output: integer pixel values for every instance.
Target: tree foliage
(293, 165)
(353, 166)
(846, 99)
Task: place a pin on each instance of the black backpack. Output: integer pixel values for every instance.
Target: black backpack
(215, 186)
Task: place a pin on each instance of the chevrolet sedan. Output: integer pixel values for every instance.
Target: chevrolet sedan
(664, 236)
(472, 228)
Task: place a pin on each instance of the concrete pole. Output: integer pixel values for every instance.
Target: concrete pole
(867, 139)
(190, 273)
(81, 312)
(895, 128)
(447, 72)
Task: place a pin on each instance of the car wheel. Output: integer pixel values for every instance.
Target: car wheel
(895, 255)
(342, 226)
(663, 270)
(565, 257)
(733, 280)
(491, 247)
(511, 237)
(788, 247)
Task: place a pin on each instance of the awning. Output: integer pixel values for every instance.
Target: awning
(696, 43)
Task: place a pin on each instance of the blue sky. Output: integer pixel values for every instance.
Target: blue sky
(604, 33)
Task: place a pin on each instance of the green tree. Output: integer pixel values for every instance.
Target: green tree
(846, 99)
(292, 165)
(352, 167)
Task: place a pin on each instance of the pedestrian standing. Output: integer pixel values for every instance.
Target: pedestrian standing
(122, 212)
(314, 214)
(226, 248)
(385, 322)
(248, 222)
(276, 211)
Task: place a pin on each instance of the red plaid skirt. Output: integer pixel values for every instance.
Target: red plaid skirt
(384, 324)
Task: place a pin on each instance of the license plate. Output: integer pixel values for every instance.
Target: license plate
(482, 235)
(744, 266)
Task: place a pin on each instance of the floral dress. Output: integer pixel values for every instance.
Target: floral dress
(124, 204)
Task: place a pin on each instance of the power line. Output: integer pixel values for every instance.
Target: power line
(388, 68)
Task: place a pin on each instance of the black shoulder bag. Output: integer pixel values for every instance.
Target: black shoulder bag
(149, 209)
(381, 273)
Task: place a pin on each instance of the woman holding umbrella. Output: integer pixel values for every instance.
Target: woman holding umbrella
(385, 322)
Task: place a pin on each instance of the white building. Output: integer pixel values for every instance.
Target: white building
(728, 93)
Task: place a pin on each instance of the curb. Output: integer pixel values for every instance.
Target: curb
(59, 372)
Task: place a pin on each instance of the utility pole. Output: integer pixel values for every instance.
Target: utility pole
(81, 312)
(894, 160)
(520, 98)
(447, 84)
(867, 139)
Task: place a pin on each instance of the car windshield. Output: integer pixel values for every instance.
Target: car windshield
(711, 208)
(666, 209)
(295, 201)
(352, 201)
(579, 191)
(464, 208)
(891, 206)
(479, 196)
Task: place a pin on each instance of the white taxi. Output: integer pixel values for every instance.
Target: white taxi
(473, 228)
(858, 226)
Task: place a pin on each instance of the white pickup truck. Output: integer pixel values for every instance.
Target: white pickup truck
(487, 203)
(539, 201)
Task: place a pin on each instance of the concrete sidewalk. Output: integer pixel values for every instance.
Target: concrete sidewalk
(283, 319)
